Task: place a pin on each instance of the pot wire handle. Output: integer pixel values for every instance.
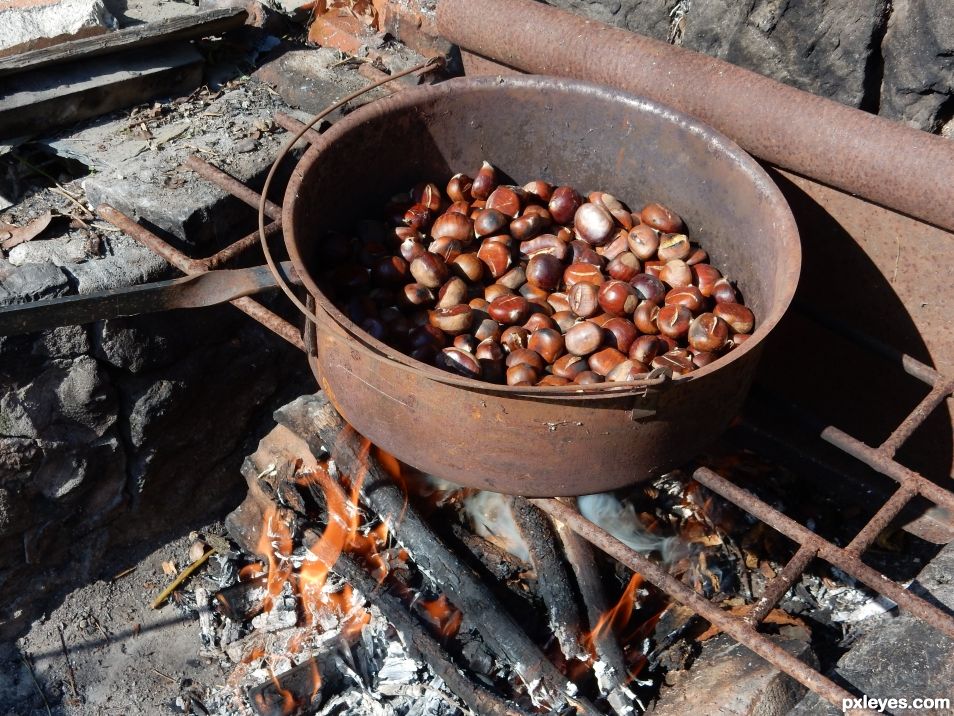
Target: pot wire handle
(280, 278)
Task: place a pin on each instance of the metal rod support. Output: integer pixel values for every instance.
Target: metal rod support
(232, 185)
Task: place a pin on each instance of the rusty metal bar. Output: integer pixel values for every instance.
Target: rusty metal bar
(876, 460)
(881, 519)
(776, 589)
(837, 556)
(290, 124)
(236, 248)
(887, 162)
(179, 260)
(939, 393)
(233, 186)
(733, 626)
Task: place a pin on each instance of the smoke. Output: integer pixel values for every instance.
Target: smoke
(490, 517)
(620, 520)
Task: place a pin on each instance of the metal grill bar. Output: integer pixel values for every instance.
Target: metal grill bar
(776, 589)
(233, 186)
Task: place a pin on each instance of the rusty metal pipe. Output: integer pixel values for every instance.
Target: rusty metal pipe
(776, 589)
(232, 185)
(884, 161)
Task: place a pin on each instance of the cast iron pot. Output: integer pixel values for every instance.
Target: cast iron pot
(556, 440)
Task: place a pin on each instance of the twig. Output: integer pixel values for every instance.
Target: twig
(62, 192)
(164, 676)
(36, 684)
(124, 573)
(100, 627)
(69, 664)
(183, 576)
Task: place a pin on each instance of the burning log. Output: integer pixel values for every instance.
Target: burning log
(554, 584)
(610, 666)
(314, 418)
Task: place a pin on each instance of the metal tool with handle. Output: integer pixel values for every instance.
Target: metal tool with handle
(204, 289)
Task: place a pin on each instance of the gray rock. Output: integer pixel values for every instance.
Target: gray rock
(32, 282)
(899, 655)
(822, 46)
(126, 263)
(62, 342)
(918, 52)
(60, 251)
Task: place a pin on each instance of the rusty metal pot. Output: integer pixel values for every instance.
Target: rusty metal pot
(539, 441)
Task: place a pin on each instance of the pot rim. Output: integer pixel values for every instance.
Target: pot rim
(785, 227)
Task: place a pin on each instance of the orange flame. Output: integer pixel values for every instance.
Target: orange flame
(616, 617)
(275, 542)
(443, 615)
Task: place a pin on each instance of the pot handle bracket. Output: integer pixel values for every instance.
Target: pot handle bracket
(645, 404)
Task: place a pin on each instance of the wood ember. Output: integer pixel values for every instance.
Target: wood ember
(315, 418)
(554, 583)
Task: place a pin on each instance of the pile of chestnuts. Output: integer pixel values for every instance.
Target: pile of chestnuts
(534, 285)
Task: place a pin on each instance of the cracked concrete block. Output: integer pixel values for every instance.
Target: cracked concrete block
(31, 24)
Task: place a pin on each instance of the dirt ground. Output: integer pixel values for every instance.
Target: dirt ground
(126, 657)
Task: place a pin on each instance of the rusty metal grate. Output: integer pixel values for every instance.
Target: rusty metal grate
(810, 545)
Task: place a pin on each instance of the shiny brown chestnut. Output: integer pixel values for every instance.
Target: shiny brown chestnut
(702, 359)
(414, 294)
(453, 292)
(429, 270)
(645, 348)
(643, 241)
(617, 210)
(505, 200)
(676, 273)
(496, 290)
(496, 258)
(565, 320)
(447, 248)
(661, 218)
(548, 343)
(488, 222)
(584, 299)
(618, 244)
(569, 366)
(563, 204)
(544, 244)
(522, 374)
(626, 371)
(582, 273)
(453, 226)
(466, 342)
(469, 267)
(618, 298)
(674, 246)
(593, 223)
(740, 318)
(583, 338)
(645, 317)
(620, 333)
(538, 321)
(418, 217)
(582, 253)
(541, 211)
(649, 288)
(708, 332)
(514, 338)
(544, 271)
(485, 182)
(559, 301)
(526, 356)
(488, 328)
(624, 267)
(688, 296)
(534, 294)
(491, 350)
(457, 361)
(678, 361)
(539, 190)
(459, 207)
(427, 194)
(705, 277)
(698, 255)
(454, 320)
(509, 310)
(411, 249)
(458, 188)
(514, 278)
(588, 377)
(603, 362)
(390, 271)
(551, 380)
(674, 321)
(527, 226)
(724, 292)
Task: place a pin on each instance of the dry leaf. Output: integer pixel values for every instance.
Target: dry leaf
(776, 616)
(21, 234)
(169, 568)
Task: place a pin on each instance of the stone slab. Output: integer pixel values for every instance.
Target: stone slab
(32, 24)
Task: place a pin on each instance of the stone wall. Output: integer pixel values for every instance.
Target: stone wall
(892, 57)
